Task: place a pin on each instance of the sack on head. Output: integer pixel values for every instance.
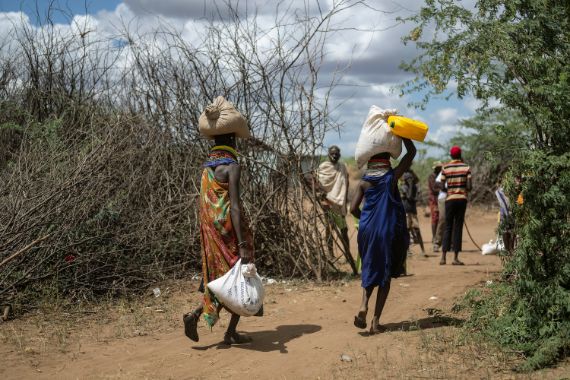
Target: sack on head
(220, 118)
(377, 137)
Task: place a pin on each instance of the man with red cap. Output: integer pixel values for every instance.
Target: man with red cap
(457, 176)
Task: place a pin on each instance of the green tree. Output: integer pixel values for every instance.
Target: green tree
(516, 52)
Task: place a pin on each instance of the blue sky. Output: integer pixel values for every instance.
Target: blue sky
(374, 57)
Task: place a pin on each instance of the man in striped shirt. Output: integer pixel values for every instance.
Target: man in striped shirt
(457, 175)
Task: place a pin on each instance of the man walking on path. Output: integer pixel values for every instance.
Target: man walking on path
(333, 179)
(433, 206)
(456, 175)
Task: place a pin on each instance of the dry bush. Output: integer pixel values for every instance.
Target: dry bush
(102, 214)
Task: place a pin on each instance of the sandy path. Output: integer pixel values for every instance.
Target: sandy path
(302, 335)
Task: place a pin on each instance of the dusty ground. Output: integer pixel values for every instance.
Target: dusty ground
(305, 331)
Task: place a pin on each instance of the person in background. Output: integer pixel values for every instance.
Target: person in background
(440, 186)
(383, 238)
(333, 180)
(456, 175)
(409, 194)
(505, 219)
(433, 193)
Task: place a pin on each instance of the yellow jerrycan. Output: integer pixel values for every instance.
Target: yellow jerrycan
(408, 128)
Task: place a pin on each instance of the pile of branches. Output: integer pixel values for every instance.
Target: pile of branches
(103, 213)
(101, 159)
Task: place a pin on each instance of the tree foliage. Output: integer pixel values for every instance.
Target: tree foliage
(516, 52)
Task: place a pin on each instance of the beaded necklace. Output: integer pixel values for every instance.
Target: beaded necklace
(221, 155)
(377, 167)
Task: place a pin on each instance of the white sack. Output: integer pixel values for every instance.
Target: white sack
(240, 290)
(489, 248)
(377, 137)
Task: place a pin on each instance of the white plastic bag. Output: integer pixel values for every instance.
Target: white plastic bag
(240, 290)
(489, 248)
(376, 137)
(492, 247)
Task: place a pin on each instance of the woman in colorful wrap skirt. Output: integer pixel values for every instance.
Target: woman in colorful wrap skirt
(224, 235)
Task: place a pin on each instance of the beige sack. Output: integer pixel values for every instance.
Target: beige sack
(377, 137)
(220, 118)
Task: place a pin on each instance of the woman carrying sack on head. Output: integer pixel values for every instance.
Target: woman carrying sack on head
(225, 238)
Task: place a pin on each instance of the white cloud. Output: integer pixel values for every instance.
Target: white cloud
(446, 115)
(473, 104)
(444, 133)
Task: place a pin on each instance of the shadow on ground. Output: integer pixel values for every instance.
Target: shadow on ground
(420, 324)
(269, 340)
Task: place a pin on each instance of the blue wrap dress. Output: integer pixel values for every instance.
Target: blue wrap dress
(383, 238)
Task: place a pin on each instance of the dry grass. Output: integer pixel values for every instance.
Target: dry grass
(438, 353)
(63, 328)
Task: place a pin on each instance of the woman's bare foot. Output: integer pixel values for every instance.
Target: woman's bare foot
(235, 338)
(360, 319)
(376, 328)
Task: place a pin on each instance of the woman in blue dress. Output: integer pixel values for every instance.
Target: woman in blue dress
(383, 238)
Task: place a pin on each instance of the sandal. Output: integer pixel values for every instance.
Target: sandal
(235, 338)
(457, 262)
(360, 320)
(191, 326)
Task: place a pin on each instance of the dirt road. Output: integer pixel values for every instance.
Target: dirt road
(305, 330)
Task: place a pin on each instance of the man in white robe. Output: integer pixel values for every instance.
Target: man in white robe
(333, 180)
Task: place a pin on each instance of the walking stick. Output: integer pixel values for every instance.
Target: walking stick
(471, 237)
